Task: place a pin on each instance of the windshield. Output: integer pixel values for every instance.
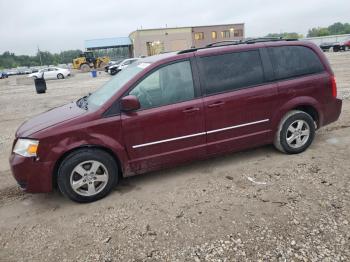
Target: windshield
(100, 96)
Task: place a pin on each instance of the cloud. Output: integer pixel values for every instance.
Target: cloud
(60, 25)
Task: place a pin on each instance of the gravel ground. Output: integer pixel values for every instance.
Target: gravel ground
(256, 205)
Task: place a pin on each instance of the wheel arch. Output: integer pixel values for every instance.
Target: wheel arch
(72, 150)
(308, 105)
(312, 111)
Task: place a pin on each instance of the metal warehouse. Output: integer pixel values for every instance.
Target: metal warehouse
(154, 41)
(146, 42)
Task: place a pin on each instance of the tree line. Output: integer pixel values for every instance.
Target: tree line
(10, 60)
(334, 29)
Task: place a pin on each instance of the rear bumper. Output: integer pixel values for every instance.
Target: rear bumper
(332, 111)
(31, 175)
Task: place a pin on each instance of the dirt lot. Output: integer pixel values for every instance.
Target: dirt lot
(254, 205)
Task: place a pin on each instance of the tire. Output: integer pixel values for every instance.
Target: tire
(113, 72)
(90, 186)
(304, 132)
(60, 76)
(85, 68)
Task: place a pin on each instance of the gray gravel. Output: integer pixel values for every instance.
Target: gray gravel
(256, 205)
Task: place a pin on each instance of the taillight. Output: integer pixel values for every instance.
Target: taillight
(334, 86)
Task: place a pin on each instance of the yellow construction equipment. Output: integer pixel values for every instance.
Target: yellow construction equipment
(87, 60)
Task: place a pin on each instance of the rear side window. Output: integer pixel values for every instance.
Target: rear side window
(293, 61)
(232, 71)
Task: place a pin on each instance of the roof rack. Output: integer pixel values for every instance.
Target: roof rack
(239, 42)
(267, 39)
(227, 42)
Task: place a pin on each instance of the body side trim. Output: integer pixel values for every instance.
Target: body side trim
(200, 134)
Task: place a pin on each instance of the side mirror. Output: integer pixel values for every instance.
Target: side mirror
(130, 103)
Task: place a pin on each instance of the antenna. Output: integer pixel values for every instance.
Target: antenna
(41, 62)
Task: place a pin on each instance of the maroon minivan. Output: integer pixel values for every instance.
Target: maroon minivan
(177, 107)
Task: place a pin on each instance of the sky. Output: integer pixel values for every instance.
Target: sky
(58, 25)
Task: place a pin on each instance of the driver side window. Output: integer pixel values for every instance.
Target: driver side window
(168, 85)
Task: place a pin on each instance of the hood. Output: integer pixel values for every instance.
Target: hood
(49, 118)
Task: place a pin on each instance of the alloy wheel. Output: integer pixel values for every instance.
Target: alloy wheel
(89, 178)
(298, 134)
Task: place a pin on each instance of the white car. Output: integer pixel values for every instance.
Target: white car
(51, 73)
(118, 67)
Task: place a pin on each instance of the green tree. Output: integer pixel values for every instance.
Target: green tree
(10, 60)
(286, 35)
(334, 29)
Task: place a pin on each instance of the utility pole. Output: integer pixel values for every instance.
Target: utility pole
(41, 62)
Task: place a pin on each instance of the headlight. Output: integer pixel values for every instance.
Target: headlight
(26, 147)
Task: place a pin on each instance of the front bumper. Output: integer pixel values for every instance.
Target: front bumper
(31, 175)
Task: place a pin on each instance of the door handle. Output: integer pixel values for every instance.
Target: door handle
(218, 103)
(191, 109)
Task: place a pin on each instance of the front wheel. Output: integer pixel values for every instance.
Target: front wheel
(87, 175)
(295, 133)
(114, 72)
(60, 76)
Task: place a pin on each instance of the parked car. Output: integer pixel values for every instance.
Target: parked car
(114, 69)
(336, 46)
(177, 107)
(27, 71)
(111, 63)
(3, 75)
(12, 72)
(51, 73)
(346, 45)
(34, 69)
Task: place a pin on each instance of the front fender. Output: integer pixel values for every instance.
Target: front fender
(98, 140)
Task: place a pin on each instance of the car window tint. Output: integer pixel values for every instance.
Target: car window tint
(293, 61)
(167, 85)
(231, 71)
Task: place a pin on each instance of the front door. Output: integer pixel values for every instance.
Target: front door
(50, 73)
(169, 127)
(238, 103)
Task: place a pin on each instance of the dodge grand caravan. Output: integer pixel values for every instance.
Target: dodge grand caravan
(176, 107)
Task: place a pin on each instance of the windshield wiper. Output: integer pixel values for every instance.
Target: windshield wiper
(83, 102)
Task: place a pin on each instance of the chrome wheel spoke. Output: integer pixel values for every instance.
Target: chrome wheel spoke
(101, 178)
(299, 142)
(91, 188)
(291, 128)
(80, 170)
(78, 184)
(290, 139)
(94, 166)
(300, 125)
(305, 132)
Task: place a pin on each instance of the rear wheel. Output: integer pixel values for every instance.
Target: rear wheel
(87, 175)
(295, 132)
(114, 71)
(85, 68)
